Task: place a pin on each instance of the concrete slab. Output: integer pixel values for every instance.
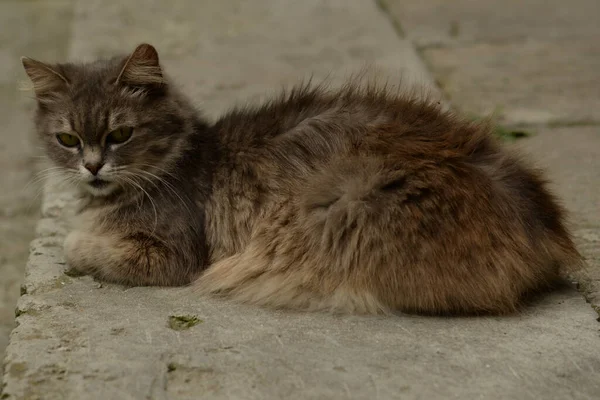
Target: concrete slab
(237, 50)
(531, 82)
(444, 23)
(20, 26)
(533, 62)
(571, 155)
(78, 340)
(104, 341)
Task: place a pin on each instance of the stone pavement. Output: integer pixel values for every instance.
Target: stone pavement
(535, 65)
(42, 29)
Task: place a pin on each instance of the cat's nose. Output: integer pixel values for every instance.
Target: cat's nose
(93, 167)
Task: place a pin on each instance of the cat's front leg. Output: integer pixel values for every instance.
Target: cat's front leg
(135, 259)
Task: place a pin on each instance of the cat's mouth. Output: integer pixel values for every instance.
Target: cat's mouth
(98, 183)
(100, 187)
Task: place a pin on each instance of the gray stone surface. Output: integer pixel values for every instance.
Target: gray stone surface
(530, 82)
(20, 26)
(443, 22)
(238, 50)
(531, 62)
(571, 155)
(78, 339)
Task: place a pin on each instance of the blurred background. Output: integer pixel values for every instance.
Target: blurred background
(533, 64)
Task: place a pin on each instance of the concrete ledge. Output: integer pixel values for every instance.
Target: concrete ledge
(78, 339)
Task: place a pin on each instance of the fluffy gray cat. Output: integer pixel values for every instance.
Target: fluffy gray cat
(355, 200)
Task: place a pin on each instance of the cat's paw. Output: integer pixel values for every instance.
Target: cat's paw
(75, 248)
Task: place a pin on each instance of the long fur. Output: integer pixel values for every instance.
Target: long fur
(354, 200)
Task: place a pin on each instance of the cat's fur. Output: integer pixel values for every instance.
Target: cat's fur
(356, 200)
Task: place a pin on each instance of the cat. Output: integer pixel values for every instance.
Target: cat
(353, 200)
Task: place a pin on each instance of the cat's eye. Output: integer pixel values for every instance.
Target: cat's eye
(67, 139)
(120, 135)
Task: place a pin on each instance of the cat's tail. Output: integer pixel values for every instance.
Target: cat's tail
(253, 277)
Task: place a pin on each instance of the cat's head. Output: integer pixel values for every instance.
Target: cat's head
(109, 126)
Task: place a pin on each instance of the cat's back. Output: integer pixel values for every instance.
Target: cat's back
(311, 125)
(371, 150)
(364, 191)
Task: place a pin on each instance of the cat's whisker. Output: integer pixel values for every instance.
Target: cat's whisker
(139, 199)
(60, 180)
(135, 183)
(123, 181)
(129, 173)
(168, 185)
(43, 175)
(138, 174)
(159, 169)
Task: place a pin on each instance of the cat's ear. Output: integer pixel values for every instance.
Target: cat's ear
(47, 81)
(142, 68)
